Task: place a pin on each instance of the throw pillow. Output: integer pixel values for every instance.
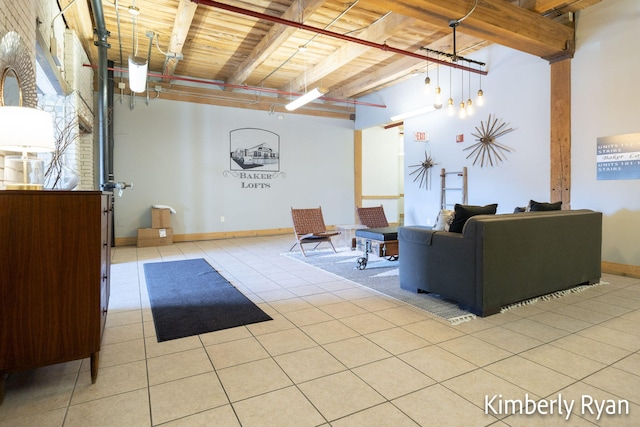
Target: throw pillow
(520, 209)
(464, 212)
(543, 206)
(443, 221)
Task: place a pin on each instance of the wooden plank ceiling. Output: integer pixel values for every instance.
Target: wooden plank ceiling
(260, 64)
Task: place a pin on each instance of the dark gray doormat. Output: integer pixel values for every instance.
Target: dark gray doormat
(189, 297)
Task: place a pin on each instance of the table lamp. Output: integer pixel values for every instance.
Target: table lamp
(25, 130)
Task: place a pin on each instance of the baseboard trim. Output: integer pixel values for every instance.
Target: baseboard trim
(132, 241)
(621, 269)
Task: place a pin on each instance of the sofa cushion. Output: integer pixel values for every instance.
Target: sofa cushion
(543, 206)
(464, 212)
(443, 221)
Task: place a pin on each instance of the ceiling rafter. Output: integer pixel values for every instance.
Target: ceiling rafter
(378, 32)
(181, 26)
(277, 35)
(78, 18)
(494, 20)
(219, 46)
(546, 6)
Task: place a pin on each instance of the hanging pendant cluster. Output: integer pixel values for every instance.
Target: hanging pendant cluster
(466, 107)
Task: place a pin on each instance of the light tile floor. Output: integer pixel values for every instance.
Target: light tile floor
(338, 354)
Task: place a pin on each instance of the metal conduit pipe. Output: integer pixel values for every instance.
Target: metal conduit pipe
(102, 109)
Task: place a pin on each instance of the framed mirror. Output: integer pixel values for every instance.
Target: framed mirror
(10, 92)
(17, 75)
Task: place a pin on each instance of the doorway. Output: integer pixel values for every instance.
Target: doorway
(379, 170)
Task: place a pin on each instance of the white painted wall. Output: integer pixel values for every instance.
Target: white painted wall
(381, 169)
(604, 103)
(506, 98)
(176, 153)
(604, 96)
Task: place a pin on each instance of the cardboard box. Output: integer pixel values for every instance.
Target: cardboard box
(160, 218)
(154, 237)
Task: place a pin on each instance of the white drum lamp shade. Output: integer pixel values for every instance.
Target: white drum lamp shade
(25, 130)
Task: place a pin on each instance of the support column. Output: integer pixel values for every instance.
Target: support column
(560, 154)
(357, 168)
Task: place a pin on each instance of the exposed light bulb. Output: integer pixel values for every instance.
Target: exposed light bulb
(463, 112)
(469, 107)
(438, 101)
(427, 85)
(450, 107)
(480, 100)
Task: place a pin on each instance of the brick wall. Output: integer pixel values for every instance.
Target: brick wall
(25, 17)
(80, 80)
(19, 16)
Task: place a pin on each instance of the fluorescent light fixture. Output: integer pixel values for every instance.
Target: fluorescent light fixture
(306, 98)
(413, 113)
(138, 74)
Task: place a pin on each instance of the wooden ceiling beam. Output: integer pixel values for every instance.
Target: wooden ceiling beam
(378, 32)
(494, 20)
(181, 25)
(393, 72)
(277, 35)
(545, 6)
(79, 19)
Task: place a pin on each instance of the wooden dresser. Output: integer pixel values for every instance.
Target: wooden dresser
(55, 250)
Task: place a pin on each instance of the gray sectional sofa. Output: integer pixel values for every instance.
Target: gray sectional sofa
(502, 259)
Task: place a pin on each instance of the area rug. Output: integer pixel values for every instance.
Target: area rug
(381, 275)
(189, 297)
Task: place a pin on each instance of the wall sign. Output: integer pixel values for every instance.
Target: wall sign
(618, 157)
(254, 157)
(420, 136)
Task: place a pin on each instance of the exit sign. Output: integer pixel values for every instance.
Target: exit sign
(420, 136)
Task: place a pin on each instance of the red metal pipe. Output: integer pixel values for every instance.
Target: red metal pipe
(324, 32)
(244, 87)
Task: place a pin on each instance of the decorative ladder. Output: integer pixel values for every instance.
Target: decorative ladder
(463, 188)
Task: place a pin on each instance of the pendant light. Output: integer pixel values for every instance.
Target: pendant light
(480, 99)
(450, 101)
(463, 112)
(469, 101)
(437, 104)
(138, 67)
(427, 81)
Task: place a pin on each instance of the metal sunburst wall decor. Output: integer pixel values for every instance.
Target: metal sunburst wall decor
(423, 171)
(487, 149)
